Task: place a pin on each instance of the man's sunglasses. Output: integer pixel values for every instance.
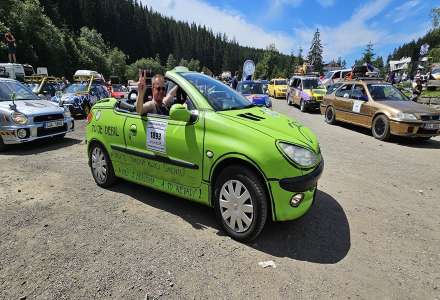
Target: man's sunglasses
(160, 89)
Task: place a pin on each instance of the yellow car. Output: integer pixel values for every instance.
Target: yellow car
(305, 91)
(277, 88)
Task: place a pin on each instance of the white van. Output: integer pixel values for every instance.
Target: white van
(332, 77)
(15, 71)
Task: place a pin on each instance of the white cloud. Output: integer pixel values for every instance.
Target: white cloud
(222, 21)
(404, 11)
(355, 33)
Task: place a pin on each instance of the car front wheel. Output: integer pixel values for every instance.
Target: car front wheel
(101, 166)
(381, 128)
(240, 203)
(302, 106)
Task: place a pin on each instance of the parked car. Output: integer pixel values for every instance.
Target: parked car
(80, 96)
(249, 163)
(14, 71)
(254, 91)
(305, 91)
(335, 76)
(43, 86)
(25, 117)
(277, 88)
(381, 107)
(119, 91)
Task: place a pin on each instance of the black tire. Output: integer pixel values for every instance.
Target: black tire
(258, 200)
(381, 128)
(302, 106)
(330, 115)
(289, 102)
(109, 178)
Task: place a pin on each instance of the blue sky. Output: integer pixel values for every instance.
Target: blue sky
(346, 26)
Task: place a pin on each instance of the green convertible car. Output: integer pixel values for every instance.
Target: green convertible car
(215, 148)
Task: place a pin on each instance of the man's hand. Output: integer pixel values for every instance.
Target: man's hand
(142, 83)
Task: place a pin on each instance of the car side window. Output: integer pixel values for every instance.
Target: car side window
(344, 91)
(359, 93)
(337, 75)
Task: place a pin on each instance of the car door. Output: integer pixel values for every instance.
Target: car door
(362, 110)
(297, 91)
(342, 102)
(166, 154)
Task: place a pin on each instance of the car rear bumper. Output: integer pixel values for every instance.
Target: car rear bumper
(413, 129)
(34, 132)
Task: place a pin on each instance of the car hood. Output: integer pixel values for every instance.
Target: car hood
(315, 92)
(409, 107)
(275, 125)
(33, 107)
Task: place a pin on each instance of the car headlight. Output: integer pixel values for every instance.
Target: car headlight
(19, 118)
(299, 155)
(406, 116)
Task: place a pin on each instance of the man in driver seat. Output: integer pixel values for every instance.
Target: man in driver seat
(160, 104)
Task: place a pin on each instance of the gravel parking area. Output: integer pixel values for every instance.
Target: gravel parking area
(373, 232)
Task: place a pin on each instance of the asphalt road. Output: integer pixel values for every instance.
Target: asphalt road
(372, 234)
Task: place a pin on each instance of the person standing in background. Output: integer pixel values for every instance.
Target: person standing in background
(12, 46)
(234, 82)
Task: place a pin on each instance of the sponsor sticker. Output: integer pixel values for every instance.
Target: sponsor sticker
(357, 105)
(156, 135)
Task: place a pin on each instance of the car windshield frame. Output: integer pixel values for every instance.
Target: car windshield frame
(22, 92)
(376, 97)
(68, 89)
(215, 92)
(252, 88)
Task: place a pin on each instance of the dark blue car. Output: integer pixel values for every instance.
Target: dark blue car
(254, 91)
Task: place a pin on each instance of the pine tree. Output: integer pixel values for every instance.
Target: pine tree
(171, 62)
(368, 54)
(315, 52)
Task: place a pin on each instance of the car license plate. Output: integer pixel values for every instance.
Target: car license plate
(431, 126)
(53, 124)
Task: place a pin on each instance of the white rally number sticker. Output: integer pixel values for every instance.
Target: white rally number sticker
(156, 133)
(357, 105)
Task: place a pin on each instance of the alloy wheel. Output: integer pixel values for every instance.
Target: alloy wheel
(99, 165)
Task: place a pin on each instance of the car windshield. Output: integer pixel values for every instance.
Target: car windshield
(280, 82)
(312, 84)
(385, 92)
(22, 92)
(250, 88)
(219, 95)
(328, 75)
(119, 88)
(34, 87)
(76, 88)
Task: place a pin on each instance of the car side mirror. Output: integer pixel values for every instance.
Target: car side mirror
(178, 112)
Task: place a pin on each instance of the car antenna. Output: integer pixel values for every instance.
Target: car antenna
(13, 106)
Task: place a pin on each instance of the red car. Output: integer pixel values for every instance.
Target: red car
(118, 91)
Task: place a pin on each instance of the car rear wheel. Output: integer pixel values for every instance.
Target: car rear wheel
(101, 166)
(381, 128)
(302, 105)
(330, 116)
(240, 203)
